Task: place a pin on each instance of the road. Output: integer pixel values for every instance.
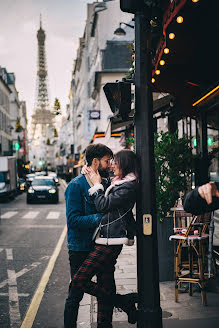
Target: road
(29, 235)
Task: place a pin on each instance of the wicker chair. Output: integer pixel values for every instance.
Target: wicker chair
(193, 266)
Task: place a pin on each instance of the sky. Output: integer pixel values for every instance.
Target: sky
(63, 22)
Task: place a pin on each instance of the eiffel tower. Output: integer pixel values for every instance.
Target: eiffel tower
(42, 116)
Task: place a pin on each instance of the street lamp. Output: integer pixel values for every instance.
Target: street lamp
(120, 31)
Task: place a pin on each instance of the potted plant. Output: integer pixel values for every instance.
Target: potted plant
(173, 165)
(174, 162)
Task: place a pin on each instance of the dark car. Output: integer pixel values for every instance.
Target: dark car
(43, 188)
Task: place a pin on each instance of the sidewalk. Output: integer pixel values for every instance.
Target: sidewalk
(189, 312)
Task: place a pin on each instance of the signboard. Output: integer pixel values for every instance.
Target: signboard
(94, 114)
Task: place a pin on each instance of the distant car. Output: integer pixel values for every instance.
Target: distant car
(43, 188)
(54, 175)
(29, 179)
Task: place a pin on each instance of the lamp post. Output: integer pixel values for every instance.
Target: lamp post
(120, 30)
(150, 313)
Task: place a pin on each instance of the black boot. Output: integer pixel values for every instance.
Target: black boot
(127, 304)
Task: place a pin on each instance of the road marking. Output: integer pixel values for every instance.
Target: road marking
(19, 295)
(37, 298)
(8, 215)
(9, 254)
(31, 215)
(53, 215)
(25, 270)
(43, 226)
(14, 313)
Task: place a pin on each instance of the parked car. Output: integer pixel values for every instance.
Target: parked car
(8, 177)
(43, 188)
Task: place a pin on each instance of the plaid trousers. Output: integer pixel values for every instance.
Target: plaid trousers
(100, 262)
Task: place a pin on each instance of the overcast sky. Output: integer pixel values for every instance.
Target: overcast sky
(63, 22)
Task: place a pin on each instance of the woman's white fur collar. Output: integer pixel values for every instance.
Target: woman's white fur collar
(129, 177)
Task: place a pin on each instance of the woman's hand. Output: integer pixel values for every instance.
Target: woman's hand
(95, 177)
(85, 169)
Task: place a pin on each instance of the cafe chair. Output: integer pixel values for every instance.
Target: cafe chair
(193, 266)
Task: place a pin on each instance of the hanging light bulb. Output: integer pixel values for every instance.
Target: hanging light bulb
(195, 0)
(157, 72)
(153, 80)
(162, 62)
(166, 51)
(171, 36)
(179, 19)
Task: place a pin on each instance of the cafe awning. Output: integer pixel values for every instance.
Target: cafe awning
(186, 62)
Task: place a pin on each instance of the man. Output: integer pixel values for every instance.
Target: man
(203, 199)
(82, 220)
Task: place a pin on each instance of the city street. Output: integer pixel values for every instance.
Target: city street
(28, 237)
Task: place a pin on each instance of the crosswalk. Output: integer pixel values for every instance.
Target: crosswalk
(30, 215)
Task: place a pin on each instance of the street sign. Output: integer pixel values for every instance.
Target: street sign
(94, 114)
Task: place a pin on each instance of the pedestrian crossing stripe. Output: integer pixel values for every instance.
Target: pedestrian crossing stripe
(52, 215)
(8, 215)
(31, 215)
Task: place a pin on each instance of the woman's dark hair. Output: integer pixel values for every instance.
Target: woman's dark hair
(97, 151)
(127, 162)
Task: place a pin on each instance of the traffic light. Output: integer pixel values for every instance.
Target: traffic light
(16, 146)
(118, 95)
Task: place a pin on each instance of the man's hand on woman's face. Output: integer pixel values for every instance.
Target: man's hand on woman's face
(207, 191)
(94, 177)
(85, 169)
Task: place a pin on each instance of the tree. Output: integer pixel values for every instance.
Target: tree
(48, 142)
(57, 107)
(18, 127)
(55, 133)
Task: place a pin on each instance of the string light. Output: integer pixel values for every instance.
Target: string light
(157, 72)
(153, 80)
(195, 1)
(171, 36)
(179, 19)
(166, 51)
(162, 62)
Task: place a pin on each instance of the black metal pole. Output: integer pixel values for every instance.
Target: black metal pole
(150, 313)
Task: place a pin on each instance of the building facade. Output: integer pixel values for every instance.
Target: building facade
(101, 57)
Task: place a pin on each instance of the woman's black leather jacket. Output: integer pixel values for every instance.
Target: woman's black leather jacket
(118, 224)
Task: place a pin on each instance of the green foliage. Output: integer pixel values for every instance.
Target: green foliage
(173, 165)
(55, 133)
(18, 127)
(48, 142)
(57, 107)
(130, 73)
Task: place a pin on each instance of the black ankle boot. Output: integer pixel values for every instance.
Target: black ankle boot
(127, 304)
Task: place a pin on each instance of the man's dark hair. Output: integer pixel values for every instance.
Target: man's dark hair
(97, 151)
(128, 162)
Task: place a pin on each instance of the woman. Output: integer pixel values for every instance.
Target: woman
(116, 228)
